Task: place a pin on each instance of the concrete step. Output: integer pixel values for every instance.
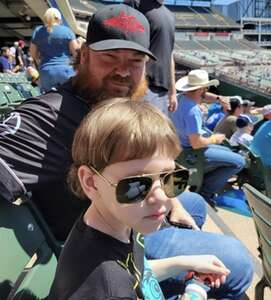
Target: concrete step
(241, 227)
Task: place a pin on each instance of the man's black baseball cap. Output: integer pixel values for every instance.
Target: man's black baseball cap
(119, 26)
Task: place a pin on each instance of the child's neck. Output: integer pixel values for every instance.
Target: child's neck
(100, 221)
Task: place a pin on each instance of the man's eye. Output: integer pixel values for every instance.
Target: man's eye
(137, 61)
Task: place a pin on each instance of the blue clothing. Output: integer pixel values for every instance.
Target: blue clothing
(173, 241)
(55, 55)
(4, 64)
(158, 97)
(51, 77)
(220, 163)
(149, 284)
(261, 143)
(213, 120)
(187, 120)
(53, 46)
(214, 108)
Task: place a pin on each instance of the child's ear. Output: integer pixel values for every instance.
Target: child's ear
(85, 176)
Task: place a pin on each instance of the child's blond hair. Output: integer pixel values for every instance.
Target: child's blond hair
(120, 130)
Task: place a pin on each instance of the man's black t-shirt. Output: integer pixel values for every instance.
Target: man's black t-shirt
(35, 155)
(96, 266)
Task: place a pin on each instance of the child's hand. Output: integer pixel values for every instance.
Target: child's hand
(210, 268)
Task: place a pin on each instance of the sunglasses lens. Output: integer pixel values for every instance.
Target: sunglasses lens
(175, 183)
(132, 190)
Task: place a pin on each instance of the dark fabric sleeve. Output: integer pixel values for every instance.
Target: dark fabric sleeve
(108, 281)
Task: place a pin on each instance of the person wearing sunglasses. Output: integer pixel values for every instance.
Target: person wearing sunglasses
(36, 139)
(126, 167)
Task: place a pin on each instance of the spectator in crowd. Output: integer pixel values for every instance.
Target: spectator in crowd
(160, 72)
(220, 162)
(51, 48)
(247, 106)
(5, 65)
(227, 125)
(19, 56)
(216, 115)
(261, 144)
(111, 64)
(266, 112)
(109, 231)
(243, 133)
(33, 75)
(13, 53)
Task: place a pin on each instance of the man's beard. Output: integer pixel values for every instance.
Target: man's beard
(92, 96)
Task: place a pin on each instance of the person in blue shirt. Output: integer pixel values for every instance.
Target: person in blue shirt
(220, 162)
(215, 114)
(51, 47)
(5, 65)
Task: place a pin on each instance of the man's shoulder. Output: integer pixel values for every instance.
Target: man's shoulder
(62, 100)
(3, 59)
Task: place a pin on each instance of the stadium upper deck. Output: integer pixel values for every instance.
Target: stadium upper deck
(204, 38)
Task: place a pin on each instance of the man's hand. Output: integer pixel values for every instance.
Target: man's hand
(172, 102)
(219, 137)
(179, 215)
(225, 102)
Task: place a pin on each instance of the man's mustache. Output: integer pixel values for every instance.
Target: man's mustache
(126, 81)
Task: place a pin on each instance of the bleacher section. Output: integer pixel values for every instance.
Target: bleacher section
(85, 7)
(213, 45)
(189, 45)
(193, 17)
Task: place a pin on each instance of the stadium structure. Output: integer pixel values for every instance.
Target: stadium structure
(205, 38)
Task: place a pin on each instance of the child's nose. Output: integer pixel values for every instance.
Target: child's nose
(156, 193)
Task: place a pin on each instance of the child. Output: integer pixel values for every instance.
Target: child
(123, 160)
(243, 133)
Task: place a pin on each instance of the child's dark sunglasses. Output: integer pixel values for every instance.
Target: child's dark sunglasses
(136, 188)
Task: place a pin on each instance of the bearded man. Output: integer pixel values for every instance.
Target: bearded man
(35, 145)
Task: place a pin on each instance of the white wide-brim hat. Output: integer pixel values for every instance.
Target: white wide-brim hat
(195, 80)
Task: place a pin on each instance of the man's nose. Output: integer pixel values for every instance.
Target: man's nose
(123, 69)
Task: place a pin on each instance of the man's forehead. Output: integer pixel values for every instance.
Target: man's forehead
(121, 52)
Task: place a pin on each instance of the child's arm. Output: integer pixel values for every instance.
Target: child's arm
(206, 264)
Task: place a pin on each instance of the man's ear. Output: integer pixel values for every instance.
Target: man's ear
(86, 179)
(84, 53)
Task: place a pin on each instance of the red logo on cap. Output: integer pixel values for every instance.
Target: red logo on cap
(125, 23)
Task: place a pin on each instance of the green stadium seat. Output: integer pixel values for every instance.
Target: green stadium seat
(13, 96)
(261, 209)
(28, 262)
(193, 159)
(255, 172)
(17, 88)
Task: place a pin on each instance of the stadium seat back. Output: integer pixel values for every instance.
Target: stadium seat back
(254, 171)
(27, 90)
(193, 159)
(13, 96)
(261, 210)
(27, 262)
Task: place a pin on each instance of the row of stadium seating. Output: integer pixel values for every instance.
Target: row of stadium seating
(13, 90)
(214, 45)
(201, 17)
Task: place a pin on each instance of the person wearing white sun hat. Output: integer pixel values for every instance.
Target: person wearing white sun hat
(195, 80)
(220, 162)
